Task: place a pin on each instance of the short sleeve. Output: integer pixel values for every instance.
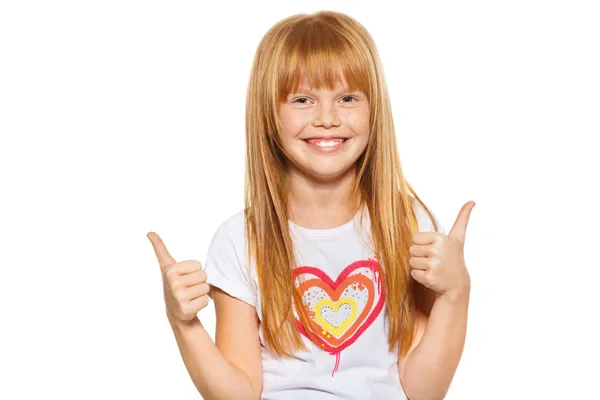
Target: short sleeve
(223, 265)
(439, 225)
(425, 222)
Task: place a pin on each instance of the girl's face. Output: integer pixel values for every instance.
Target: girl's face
(324, 131)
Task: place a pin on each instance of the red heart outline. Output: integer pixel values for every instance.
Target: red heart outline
(371, 264)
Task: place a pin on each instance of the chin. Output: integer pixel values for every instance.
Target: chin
(326, 174)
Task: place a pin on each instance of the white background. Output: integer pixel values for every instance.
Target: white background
(122, 117)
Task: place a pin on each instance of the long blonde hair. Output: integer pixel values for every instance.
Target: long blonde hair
(315, 47)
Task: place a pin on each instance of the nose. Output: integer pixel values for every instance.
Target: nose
(327, 116)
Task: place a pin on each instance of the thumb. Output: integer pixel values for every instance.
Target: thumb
(162, 254)
(459, 229)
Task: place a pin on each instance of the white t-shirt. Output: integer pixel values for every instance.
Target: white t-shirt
(341, 284)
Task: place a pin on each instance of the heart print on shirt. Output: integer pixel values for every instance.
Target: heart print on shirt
(340, 311)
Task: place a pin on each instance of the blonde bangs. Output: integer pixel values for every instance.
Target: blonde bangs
(317, 56)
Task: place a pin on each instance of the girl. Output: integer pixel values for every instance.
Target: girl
(335, 281)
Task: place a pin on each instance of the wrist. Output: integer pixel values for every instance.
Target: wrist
(177, 323)
(457, 296)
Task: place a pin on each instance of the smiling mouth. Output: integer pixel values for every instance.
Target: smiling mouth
(326, 145)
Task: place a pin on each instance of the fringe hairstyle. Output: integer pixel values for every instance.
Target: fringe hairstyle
(317, 47)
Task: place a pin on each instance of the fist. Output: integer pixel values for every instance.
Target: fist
(184, 283)
(437, 260)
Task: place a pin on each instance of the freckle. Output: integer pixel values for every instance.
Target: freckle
(328, 336)
(322, 345)
(324, 332)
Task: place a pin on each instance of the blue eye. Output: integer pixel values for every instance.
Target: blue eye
(345, 97)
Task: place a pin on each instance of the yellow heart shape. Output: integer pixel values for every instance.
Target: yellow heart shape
(335, 306)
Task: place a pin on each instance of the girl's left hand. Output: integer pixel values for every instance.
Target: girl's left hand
(437, 260)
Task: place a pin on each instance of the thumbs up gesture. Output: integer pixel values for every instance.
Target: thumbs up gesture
(437, 260)
(184, 283)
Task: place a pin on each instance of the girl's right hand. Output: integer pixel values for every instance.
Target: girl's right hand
(184, 283)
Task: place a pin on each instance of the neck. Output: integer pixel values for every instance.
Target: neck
(321, 205)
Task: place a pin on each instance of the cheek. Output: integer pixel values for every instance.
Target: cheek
(358, 121)
(292, 126)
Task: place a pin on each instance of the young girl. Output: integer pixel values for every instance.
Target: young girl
(335, 281)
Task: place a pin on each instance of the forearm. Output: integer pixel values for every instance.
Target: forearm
(212, 374)
(430, 367)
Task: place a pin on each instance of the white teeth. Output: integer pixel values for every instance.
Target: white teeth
(328, 143)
